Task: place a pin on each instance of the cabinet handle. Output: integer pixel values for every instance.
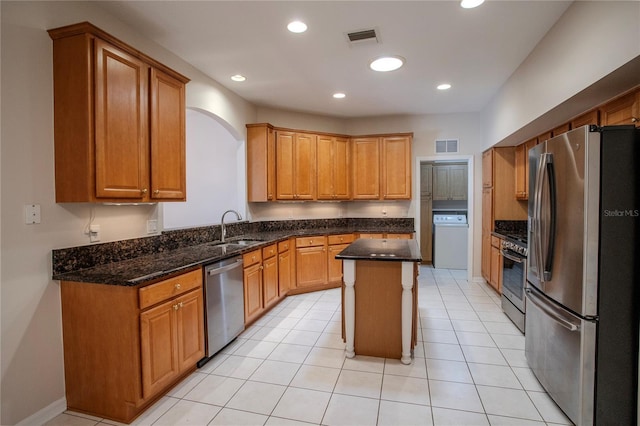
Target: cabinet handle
(177, 286)
(634, 119)
(181, 304)
(143, 191)
(310, 241)
(261, 267)
(176, 307)
(156, 192)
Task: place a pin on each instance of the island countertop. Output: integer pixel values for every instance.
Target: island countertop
(382, 249)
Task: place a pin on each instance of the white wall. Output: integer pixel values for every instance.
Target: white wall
(31, 344)
(591, 40)
(215, 175)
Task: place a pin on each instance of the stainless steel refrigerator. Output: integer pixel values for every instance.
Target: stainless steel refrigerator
(583, 272)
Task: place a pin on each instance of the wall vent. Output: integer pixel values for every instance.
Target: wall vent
(369, 35)
(446, 146)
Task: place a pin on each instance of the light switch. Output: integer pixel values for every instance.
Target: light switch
(31, 214)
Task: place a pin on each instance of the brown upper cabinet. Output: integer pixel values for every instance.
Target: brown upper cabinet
(295, 166)
(333, 168)
(261, 162)
(119, 121)
(286, 164)
(622, 110)
(522, 168)
(590, 118)
(395, 167)
(561, 129)
(366, 169)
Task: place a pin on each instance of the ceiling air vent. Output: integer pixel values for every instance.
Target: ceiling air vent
(444, 146)
(363, 36)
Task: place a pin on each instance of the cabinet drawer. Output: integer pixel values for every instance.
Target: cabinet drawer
(269, 251)
(340, 239)
(311, 241)
(252, 258)
(283, 246)
(495, 241)
(371, 236)
(163, 290)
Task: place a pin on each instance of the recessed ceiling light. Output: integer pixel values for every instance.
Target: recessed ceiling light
(387, 63)
(470, 4)
(297, 27)
(238, 77)
(444, 86)
(339, 95)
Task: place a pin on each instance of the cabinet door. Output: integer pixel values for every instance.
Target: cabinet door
(261, 163)
(521, 170)
(190, 329)
(335, 265)
(270, 280)
(121, 124)
(311, 266)
(487, 228)
(168, 163)
(623, 110)
(487, 169)
(426, 181)
(591, 117)
(341, 169)
(252, 292)
(366, 168)
(284, 165)
(458, 182)
(441, 182)
(284, 273)
(496, 269)
(325, 180)
(158, 340)
(396, 168)
(304, 166)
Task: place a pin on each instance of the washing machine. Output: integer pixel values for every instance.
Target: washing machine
(450, 235)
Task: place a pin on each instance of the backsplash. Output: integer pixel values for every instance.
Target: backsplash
(82, 257)
(511, 227)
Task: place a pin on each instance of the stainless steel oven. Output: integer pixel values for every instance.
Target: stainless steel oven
(514, 278)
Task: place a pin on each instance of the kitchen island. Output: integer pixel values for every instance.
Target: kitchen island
(380, 297)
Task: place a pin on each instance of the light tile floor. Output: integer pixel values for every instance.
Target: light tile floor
(289, 368)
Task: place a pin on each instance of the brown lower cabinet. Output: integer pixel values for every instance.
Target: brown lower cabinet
(124, 347)
(496, 264)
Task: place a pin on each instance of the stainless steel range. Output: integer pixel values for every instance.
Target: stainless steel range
(514, 278)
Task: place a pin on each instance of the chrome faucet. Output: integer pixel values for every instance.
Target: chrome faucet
(222, 226)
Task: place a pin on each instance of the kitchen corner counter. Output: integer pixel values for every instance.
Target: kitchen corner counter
(149, 260)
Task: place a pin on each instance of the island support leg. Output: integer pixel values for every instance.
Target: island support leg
(349, 273)
(407, 311)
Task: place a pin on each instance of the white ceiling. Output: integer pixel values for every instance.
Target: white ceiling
(476, 50)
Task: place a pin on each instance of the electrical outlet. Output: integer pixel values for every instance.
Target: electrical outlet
(94, 233)
(152, 226)
(31, 214)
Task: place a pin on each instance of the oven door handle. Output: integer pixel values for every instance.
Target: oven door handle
(511, 257)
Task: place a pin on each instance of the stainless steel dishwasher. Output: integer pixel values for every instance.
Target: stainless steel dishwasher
(224, 304)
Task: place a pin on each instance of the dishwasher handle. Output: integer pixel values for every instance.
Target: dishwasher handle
(218, 270)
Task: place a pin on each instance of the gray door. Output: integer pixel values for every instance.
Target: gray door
(567, 182)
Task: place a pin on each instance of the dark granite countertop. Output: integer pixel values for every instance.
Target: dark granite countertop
(382, 249)
(148, 268)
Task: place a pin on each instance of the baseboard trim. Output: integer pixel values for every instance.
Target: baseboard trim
(479, 280)
(47, 413)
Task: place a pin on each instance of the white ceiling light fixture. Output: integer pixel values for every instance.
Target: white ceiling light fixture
(470, 4)
(238, 77)
(339, 95)
(444, 86)
(386, 63)
(297, 27)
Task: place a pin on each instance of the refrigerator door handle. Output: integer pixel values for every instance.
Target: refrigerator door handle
(551, 312)
(536, 222)
(548, 259)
